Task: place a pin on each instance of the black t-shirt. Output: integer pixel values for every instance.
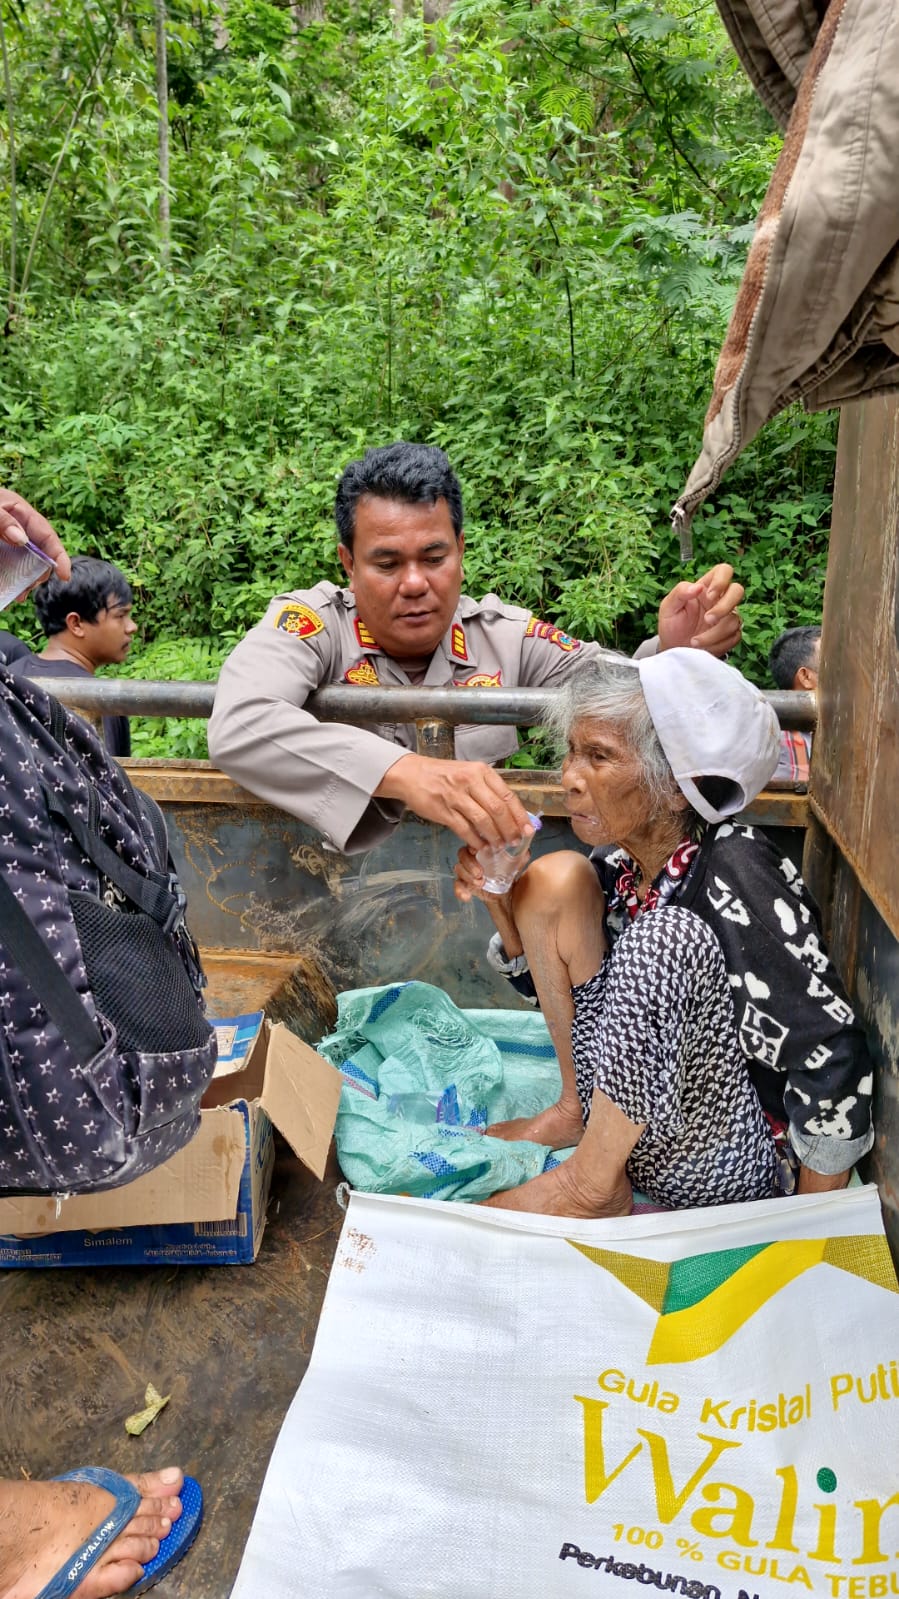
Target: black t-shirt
(12, 648)
(116, 729)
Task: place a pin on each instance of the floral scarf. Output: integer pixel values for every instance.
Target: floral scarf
(665, 885)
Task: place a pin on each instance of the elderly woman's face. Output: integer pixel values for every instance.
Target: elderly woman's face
(601, 779)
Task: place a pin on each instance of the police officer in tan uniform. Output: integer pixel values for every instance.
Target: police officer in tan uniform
(403, 622)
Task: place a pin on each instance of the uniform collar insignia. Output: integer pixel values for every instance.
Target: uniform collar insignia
(364, 637)
(458, 647)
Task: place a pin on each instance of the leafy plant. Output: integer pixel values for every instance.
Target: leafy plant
(516, 233)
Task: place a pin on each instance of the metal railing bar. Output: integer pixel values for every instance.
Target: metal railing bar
(522, 707)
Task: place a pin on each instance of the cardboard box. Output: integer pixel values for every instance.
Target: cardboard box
(207, 1205)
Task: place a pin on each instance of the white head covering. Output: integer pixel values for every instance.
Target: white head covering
(710, 722)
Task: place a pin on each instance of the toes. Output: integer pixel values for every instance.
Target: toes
(113, 1577)
(148, 1525)
(165, 1484)
(159, 1507)
(139, 1547)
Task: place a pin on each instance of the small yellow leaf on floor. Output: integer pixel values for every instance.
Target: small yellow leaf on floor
(153, 1403)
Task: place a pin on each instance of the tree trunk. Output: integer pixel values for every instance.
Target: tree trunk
(162, 101)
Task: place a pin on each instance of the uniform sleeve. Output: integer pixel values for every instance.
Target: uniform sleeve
(260, 734)
(549, 656)
(650, 646)
(792, 1012)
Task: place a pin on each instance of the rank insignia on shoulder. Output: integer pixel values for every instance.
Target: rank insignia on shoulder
(362, 672)
(552, 635)
(480, 680)
(458, 647)
(364, 636)
(300, 620)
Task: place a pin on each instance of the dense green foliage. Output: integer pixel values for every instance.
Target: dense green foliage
(516, 232)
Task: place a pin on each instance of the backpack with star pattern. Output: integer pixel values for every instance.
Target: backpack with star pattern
(105, 1048)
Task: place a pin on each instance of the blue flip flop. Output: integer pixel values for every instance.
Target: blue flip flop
(127, 1499)
(178, 1541)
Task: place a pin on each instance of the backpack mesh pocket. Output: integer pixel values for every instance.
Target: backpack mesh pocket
(137, 978)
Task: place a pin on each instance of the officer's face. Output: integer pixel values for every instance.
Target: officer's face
(405, 571)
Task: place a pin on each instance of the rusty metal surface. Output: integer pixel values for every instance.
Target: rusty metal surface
(777, 808)
(230, 1343)
(191, 782)
(855, 760)
(261, 884)
(188, 783)
(342, 703)
(435, 739)
(199, 782)
(290, 988)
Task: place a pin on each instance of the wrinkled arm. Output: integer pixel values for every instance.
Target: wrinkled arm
(815, 1182)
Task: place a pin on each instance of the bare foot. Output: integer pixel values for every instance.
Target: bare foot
(43, 1523)
(555, 1193)
(558, 1127)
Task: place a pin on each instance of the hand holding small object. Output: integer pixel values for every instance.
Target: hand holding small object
(23, 529)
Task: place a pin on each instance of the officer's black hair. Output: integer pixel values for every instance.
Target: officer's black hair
(420, 474)
(794, 649)
(90, 589)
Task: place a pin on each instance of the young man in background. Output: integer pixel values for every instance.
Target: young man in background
(88, 624)
(793, 664)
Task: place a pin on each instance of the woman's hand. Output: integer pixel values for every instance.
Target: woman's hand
(469, 884)
(469, 875)
(469, 878)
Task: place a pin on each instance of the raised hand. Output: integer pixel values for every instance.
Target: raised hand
(703, 615)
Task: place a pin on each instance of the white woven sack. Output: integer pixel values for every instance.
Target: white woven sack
(515, 1407)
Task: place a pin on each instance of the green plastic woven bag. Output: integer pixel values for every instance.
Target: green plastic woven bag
(422, 1079)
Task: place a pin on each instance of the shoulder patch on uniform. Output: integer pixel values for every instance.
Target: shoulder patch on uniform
(458, 647)
(480, 680)
(552, 635)
(300, 620)
(364, 637)
(362, 672)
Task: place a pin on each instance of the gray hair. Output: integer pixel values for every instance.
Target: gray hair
(610, 691)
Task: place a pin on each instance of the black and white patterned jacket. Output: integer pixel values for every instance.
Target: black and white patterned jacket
(806, 1051)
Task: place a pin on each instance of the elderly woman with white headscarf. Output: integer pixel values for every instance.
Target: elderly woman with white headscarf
(706, 1046)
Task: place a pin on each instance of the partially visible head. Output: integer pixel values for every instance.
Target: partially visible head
(92, 610)
(399, 521)
(413, 474)
(794, 658)
(683, 732)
